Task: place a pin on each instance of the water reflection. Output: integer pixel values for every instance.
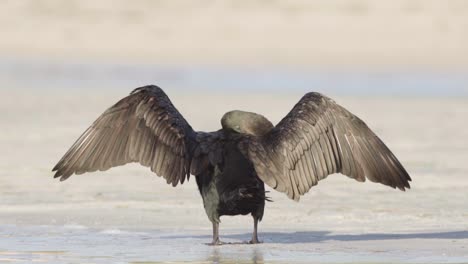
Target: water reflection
(252, 255)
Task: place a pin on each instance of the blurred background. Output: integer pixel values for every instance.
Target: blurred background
(401, 65)
(401, 47)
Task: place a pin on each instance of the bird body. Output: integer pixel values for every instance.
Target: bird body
(232, 187)
(232, 165)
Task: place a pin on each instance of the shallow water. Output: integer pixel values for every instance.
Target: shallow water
(129, 215)
(88, 74)
(79, 244)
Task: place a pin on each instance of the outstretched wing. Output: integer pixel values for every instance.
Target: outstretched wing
(143, 127)
(318, 138)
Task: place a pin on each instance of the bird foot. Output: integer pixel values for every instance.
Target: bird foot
(216, 243)
(255, 241)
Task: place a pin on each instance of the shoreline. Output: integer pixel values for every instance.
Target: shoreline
(49, 74)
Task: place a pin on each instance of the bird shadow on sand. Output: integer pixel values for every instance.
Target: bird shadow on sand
(321, 236)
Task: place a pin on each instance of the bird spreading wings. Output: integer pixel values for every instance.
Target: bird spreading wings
(317, 138)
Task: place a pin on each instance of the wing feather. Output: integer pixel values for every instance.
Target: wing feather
(143, 127)
(318, 138)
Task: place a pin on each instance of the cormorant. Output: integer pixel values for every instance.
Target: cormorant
(317, 138)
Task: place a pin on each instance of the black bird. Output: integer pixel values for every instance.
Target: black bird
(317, 138)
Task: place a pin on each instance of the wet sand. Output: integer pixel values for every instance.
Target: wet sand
(62, 63)
(129, 215)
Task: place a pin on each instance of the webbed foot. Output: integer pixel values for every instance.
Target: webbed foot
(216, 243)
(255, 241)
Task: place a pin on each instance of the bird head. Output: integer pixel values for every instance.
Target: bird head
(246, 123)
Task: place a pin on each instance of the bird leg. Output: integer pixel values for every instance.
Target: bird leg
(216, 241)
(255, 235)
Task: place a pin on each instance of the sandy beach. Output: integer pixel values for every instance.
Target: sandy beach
(400, 65)
(129, 215)
(366, 34)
